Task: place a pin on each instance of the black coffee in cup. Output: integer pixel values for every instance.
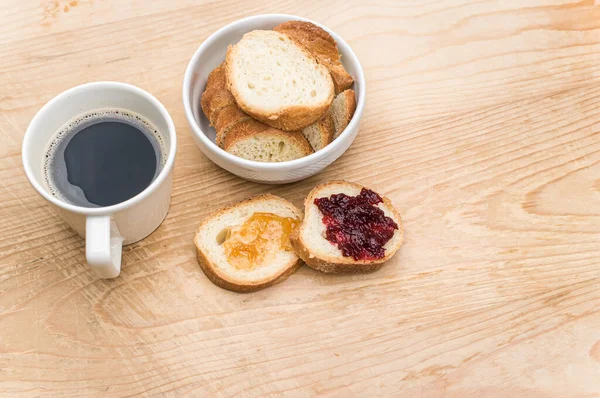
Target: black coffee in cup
(103, 158)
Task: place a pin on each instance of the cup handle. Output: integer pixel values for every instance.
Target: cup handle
(103, 246)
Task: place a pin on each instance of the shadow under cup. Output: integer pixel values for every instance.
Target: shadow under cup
(136, 217)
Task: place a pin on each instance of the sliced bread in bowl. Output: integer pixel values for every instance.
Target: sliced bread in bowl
(320, 133)
(320, 44)
(251, 139)
(245, 246)
(254, 140)
(219, 105)
(226, 119)
(342, 110)
(310, 238)
(216, 96)
(277, 81)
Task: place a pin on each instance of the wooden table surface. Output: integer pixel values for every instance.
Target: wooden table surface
(482, 125)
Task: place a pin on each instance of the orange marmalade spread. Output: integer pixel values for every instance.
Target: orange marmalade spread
(258, 239)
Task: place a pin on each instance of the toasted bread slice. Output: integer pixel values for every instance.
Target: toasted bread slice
(222, 230)
(226, 119)
(216, 96)
(219, 105)
(277, 81)
(320, 44)
(342, 110)
(320, 134)
(310, 243)
(254, 140)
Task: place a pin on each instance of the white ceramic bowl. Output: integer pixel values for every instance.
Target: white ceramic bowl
(210, 54)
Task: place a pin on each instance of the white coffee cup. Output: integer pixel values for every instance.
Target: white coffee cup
(105, 229)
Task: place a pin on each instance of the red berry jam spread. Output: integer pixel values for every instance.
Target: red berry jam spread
(356, 225)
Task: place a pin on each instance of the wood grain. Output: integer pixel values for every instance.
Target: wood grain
(483, 126)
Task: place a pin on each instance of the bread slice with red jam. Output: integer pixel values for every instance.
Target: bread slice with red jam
(347, 229)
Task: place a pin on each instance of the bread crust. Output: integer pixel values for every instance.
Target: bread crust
(320, 44)
(349, 109)
(290, 118)
(340, 265)
(226, 119)
(350, 103)
(216, 96)
(224, 281)
(219, 106)
(250, 128)
(326, 130)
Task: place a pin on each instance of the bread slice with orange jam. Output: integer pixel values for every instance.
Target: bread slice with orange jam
(245, 247)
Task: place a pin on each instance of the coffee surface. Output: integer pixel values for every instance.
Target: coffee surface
(103, 158)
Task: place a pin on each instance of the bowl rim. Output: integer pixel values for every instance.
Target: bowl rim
(347, 52)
